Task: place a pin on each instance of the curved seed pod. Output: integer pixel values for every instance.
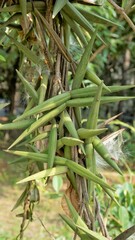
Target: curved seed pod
(71, 142)
(78, 116)
(90, 91)
(43, 88)
(93, 116)
(43, 120)
(95, 79)
(70, 127)
(70, 173)
(52, 144)
(88, 133)
(63, 162)
(39, 137)
(84, 102)
(102, 151)
(84, 172)
(60, 144)
(46, 106)
(19, 125)
(29, 106)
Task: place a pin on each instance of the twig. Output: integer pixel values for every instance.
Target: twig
(126, 234)
(122, 12)
(99, 50)
(52, 237)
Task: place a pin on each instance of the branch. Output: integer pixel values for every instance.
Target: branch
(122, 12)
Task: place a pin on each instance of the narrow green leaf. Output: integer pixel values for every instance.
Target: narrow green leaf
(28, 53)
(123, 124)
(72, 225)
(58, 6)
(30, 89)
(41, 121)
(76, 218)
(82, 66)
(39, 137)
(2, 105)
(45, 173)
(18, 160)
(20, 199)
(2, 59)
(64, 162)
(85, 173)
(40, 5)
(93, 17)
(93, 235)
(74, 14)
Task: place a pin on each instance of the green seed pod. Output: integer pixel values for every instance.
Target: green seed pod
(102, 151)
(88, 133)
(17, 125)
(52, 145)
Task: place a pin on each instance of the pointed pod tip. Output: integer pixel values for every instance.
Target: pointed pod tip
(106, 88)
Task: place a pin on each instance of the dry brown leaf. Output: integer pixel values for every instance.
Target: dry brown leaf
(73, 197)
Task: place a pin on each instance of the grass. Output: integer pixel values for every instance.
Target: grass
(46, 223)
